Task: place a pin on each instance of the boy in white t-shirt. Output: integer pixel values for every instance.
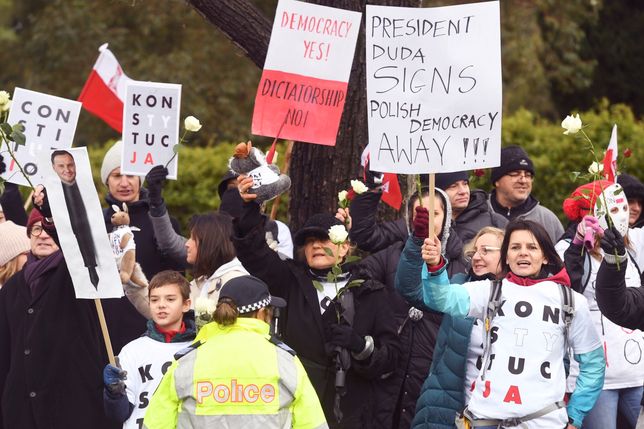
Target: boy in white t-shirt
(143, 362)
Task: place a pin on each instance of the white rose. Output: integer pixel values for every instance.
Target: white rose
(6, 106)
(342, 196)
(192, 124)
(359, 187)
(338, 234)
(4, 98)
(202, 305)
(211, 306)
(596, 168)
(572, 124)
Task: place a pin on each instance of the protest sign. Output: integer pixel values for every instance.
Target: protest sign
(434, 88)
(150, 127)
(79, 223)
(50, 123)
(304, 83)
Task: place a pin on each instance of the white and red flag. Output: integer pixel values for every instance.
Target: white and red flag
(391, 194)
(104, 91)
(610, 159)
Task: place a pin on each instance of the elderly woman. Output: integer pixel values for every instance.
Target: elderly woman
(529, 324)
(339, 321)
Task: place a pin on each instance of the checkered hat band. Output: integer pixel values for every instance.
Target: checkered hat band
(254, 307)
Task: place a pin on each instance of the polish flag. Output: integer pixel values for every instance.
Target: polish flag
(391, 194)
(104, 91)
(610, 159)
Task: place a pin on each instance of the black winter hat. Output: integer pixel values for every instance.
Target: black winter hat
(223, 183)
(249, 294)
(445, 180)
(513, 158)
(633, 188)
(316, 226)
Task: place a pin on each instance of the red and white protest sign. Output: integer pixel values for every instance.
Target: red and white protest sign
(304, 83)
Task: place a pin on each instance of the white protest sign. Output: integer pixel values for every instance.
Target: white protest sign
(150, 127)
(78, 217)
(434, 88)
(50, 123)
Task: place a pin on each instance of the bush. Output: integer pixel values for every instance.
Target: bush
(195, 191)
(556, 156)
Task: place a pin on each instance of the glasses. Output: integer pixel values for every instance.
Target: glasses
(516, 175)
(36, 230)
(483, 251)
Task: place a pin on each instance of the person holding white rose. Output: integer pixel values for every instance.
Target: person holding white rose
(336, 314)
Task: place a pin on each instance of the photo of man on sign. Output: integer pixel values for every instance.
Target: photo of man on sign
(65, 167)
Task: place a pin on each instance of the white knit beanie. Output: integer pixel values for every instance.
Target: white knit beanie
(13, 241)
(111, 160)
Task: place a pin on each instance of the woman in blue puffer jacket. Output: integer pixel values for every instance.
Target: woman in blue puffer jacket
(460, 340)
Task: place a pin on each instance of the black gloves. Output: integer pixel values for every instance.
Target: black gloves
(344, 336)
(155, 180)
(373, 179)
(612, 244)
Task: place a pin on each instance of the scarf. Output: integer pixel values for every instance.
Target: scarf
(36, 270)
(561, 277)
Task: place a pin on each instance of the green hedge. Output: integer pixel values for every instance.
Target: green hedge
(555, 156)
(195, 191)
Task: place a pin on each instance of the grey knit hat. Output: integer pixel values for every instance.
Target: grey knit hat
(13, 241)
(111, 160)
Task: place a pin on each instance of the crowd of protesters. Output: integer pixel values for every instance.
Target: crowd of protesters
(494, 316)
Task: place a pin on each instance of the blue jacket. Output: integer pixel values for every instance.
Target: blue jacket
(442, 395)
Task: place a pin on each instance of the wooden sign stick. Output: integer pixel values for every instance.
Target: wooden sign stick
(432, 184)
(106, 334)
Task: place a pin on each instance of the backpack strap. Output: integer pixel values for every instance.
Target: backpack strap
(493, 306)
(568, 308)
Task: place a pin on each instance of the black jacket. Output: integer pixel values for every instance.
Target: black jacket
(51, 356)
(12, 204)
(477, 215)
(623, 305)
(305, 329)
(372, 236)
(124, 322)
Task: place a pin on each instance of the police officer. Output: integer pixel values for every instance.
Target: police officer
(238, 376)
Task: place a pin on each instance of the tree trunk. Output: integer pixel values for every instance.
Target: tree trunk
(317, 172)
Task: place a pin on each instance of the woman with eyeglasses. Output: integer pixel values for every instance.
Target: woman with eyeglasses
(532, 318)
(446, 390)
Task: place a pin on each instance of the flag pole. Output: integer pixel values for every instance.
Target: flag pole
(287, 164)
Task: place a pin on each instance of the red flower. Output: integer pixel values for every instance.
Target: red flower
(628, 152)
(351, 194)
(479, 172)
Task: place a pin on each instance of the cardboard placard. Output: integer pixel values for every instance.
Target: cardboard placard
(434, 88)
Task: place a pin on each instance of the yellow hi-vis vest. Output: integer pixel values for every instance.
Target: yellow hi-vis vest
(236, 379)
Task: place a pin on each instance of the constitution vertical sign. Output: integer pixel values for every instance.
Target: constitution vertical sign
(304, 83)
(434, 88)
